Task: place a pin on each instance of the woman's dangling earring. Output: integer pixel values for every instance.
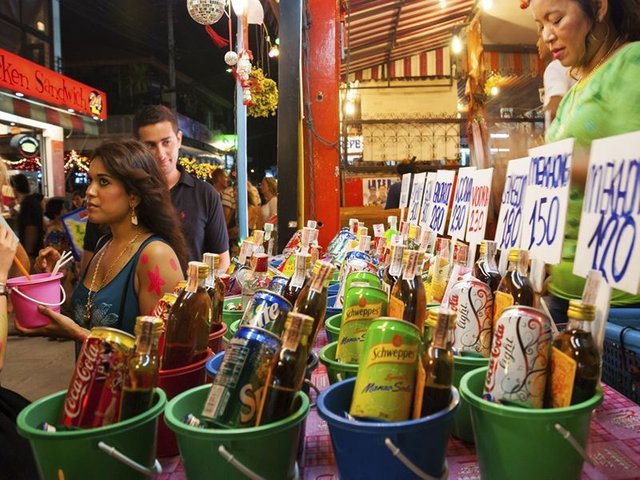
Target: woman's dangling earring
(134, 215)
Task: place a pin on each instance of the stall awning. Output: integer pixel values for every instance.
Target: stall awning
(508, 64)
(434, 63)
(77, 123)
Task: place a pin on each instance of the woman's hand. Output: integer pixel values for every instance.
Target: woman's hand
(60, 326)
(8, 246)
(47, 258)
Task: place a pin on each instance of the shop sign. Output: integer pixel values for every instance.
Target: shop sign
(20, 75)
(479, 205)
(426, 199)
(415, 201)
(355, 145)
(461, 200)
(440, 200)
(609, 237)
(545, 205)
(509, 228)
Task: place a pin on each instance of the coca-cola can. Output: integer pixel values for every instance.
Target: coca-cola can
(520, 352)
(93, 397)
(472, 302)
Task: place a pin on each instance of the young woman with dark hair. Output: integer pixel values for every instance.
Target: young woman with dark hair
(141, 257)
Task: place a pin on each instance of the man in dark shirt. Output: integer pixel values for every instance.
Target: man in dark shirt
(196, 202)
(30, 217)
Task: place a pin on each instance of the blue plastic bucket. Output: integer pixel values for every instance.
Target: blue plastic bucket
(333, 289)
(363, 450)
(331, 310)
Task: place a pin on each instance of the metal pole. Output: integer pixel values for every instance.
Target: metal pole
(172, 57)
(241, 158)
(57, 40)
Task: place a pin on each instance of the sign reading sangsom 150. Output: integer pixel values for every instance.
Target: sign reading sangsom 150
(20, 75)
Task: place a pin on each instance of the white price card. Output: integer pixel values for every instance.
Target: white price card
(426, 199)
(440, 200)
(545, 206)
(609, 237)
(461, 200)
(509, 228)
(415, 200)
(479, 207)
(404, 191)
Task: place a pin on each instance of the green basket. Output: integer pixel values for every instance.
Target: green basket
(462, 428)
(96, 453)
(269, 451)
(336, 371)
(230, 316)
(523, 443)
(332, 326)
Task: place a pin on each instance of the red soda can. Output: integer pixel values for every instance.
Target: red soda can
(520, 353)
(472, 301)
(93, 397)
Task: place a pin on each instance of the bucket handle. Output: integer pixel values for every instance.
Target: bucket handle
(566, 434)
(396, 452)
(24, 295)
(122, 458)
(241, 467)
(313, 387)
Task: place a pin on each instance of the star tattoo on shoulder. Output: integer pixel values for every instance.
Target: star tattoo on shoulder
(155, 281)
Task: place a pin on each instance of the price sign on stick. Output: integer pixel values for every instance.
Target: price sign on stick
(509, 228)
(426, 199)
(545, 207)
(479, 206)
(415, 200)
(440, 199)
(609, 238)
(461, 200)
(404, 192)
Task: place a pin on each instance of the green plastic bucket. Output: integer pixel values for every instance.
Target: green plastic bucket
(513, 442)
(82, 454)
(230, 316)
(332, 326)
(234, 328)
(336, 371)
(462, 428)
(269, 451)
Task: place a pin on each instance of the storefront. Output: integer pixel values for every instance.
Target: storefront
(41, 107)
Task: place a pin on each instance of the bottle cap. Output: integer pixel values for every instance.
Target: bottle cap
(514, 254)
(268, 227)
(299, 321)
(143, 322)
(212, 260)
(312, 224)
(432, 317)
(487, 246)
(581, 311)
(260, 262)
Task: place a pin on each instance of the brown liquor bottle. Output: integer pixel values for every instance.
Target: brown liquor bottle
(394, 270)
(312, 300)
(287, 372)
(575, 360)
(515, 287)
(215, 287)
(408, 300)
(438, 366)
(189, 321)
(299, 278)
(142, 368)
(486, 268)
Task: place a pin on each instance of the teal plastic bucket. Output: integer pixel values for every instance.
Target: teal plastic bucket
(376, 450)
(269, 451)
(336, 371)
(332, 327)
(462, 428)
(83, 454)
(513, 442)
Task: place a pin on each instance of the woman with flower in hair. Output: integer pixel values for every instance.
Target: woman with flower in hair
(599, 40)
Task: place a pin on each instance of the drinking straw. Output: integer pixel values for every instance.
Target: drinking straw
(21, 268)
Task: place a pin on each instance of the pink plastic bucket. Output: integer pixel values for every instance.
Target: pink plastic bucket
(215, 338)
(26, 295)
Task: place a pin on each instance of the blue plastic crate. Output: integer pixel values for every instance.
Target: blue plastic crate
(621, 359)
(625, 317)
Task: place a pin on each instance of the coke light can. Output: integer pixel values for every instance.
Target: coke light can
(93, 397)
(472, 302)
(520, 353)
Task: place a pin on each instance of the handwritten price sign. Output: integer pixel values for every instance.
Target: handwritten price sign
(440, 200)
(547, 199)
(426, 199)
(509, 229)
(609, 238)
(415, 201)
(461, 199)
(404, 190)
(479, 205)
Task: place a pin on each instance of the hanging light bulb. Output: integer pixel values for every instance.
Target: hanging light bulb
(456, 44)
(350, 108)
(487, 5)
(494, 91)
(274, 51)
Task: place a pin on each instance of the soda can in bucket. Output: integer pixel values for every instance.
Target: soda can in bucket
(387, 372)
(362, 279)
(266, 310)
(520, 352)
(472, 302)
(26, 295)
(93, 397)
(355, 261)
(235, 395)
(361, 307)
(278, 284)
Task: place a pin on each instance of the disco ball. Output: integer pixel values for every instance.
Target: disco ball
(206, 12)
(231, 58)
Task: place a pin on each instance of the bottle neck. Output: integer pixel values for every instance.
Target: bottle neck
(578, 324)
(211, 279)
(147, 343)
(293, 338)
(193, 283)
(442, 335)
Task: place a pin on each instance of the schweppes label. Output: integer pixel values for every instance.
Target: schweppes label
(390, 353)
(367, 312)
